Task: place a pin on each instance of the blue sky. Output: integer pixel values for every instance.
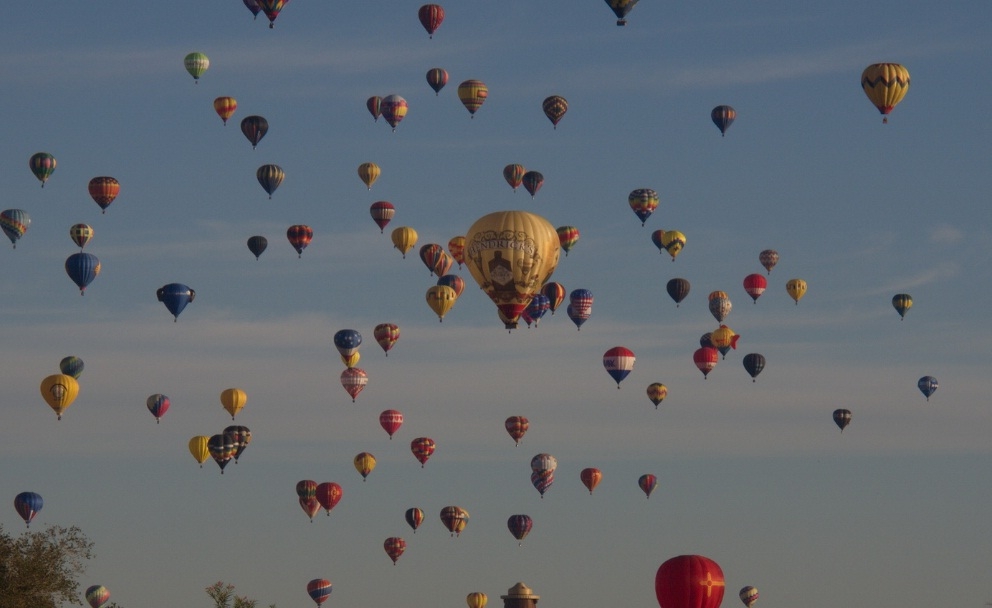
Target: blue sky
(753, 475)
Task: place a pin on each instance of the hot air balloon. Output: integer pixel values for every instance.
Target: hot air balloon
(720, 305)
(269, 177)
(382, 212)
(517, 426)
(81, 234)
(673, 241)
(514, 175)
(253, 6)
(927, 386)
(97, 596)
(706, 358)
(453, 281)
(643, 202)
(555, 293)
(885, 84)
(351, 360)
(724, 338)
(71, 366)
(578, 316)
(404, 238)
(328, 494)
(554, 108)
(689, 581)
(768, 258)
(473, 94)
(393, 109)
(222, 448)
(254, 127)
(657, 393)
(368, 173)
(271, 9)
(437, 78)
(175, 296)
(532, 182)
(233, 400)
(364, 464)
(422, 448)
(748, 595)
(431, 16)
(199, 448)
(476, 599)
(225, 107)
(241, 436)
(319, 589)
(454, 519)
(42, 164)
(723, 117)
(538, 307)
(347, 341)
(618, 361)
(441, 298)
(103, 190)
(543, 468)
(196, 64)
(755, 285)
(414, 517)
(299, 236)
(511, 254)
(520, 526)
(753, 364)
(568, 236)
(257, 244)
(677, 289)
(796, 289)
(27, 505)
(82, 268)
(310, 506)
(354, 380)
(374, 106)
(158, 405)
(620, 8)
(386, 334)
(842, 418)
(394, 546)
(902, 302)
(456, 247)
(581, 300)
(590, 478)
(647, 483)
(431, 255)
(391, 421)
(15, 223)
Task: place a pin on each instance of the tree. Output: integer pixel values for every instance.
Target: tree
(39, 568)
(222, 593)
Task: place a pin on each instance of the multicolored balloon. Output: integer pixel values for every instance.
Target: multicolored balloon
(222, 448)
(71, 366)
(364, 463)
(568, 236)
(393, 108)
(440, 299)
(394, 546)
(81, 234)
(382, 212)
(647, 483)
(158, 405)
(885, 84)
(643, 202)
(657, 393)
(27, 505)
(414, 517)
(391, 421)
(456, 247)
(517, 427)
(104, 190)
(196, 64)
(422, 448)
(97, 596)
(748, 595)
(514, 175)
(319, 589)
(454, 519)
(619, 362)
(532, 182)
(225, 107)
(768, 258)
(42, 165)
(437, 78)
(902, 302)
(299, 236)
(270, 177)
(347, 341)
(723, 117)
(374, 106)
(354, 380)
(386, 334)
(271, 8)
(15, 222)
(927, 385)
(254, 128)
(431, 16)
(554, 108)
(472, 94)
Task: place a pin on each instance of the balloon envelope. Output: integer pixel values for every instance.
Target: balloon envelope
(175, 297)
(723, 117)
(885, 84)
(196, 64)
(97, 596)
(431, 16)
(689, 581)
(472, 94)
(618, 361)
(554, 108)
(27, 505)
(59, 391)
(842, 418)
(15, 223)
(71, 366)
(319, 590)
(82, 268)
(927, 385)
(254, 128)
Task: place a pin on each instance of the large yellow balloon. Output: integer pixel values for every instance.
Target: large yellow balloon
(796, 289)
(673, 241)
(477, 599)
(364, 463)
(885, 84)
(198, 447)
(233, 399)
(369, 172)
(441, 298)
(404, 238)
(511, 254)
(59, 391)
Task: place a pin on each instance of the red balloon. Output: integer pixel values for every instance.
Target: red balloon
(705, 359)
(755, 285)
(391, 421)
(328, 495)
(431, 16)
(689, 581)
(422, 448)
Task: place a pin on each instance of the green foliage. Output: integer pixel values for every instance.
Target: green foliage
(39, 568)
(222, 594)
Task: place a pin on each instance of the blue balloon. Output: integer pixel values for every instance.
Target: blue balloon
(82, 268)
(28, 504)
(175, 296)
(71, 366)
(927, 386)
(347, 341)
